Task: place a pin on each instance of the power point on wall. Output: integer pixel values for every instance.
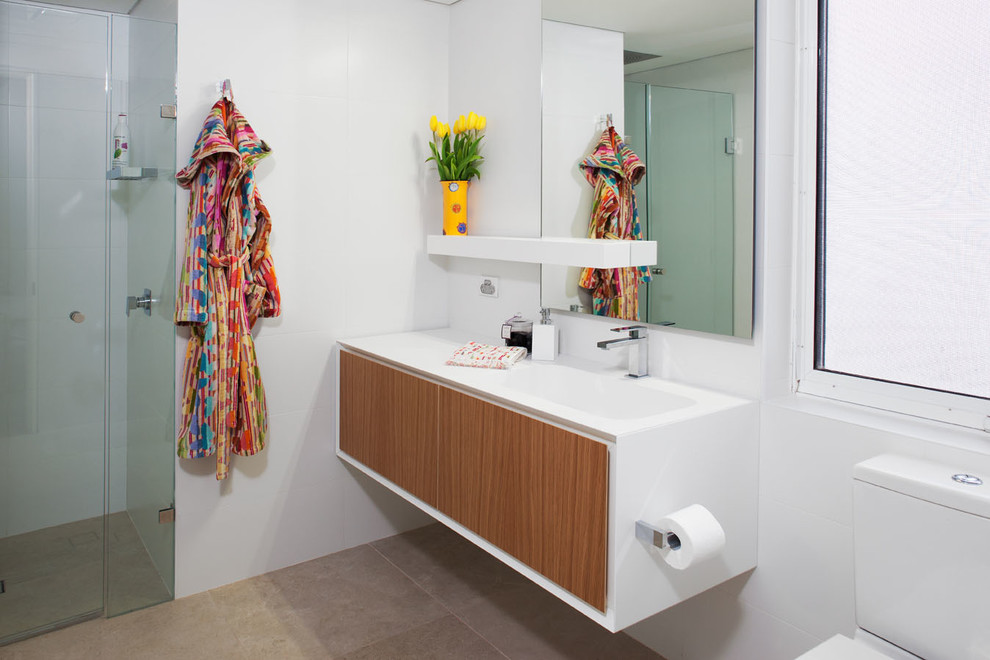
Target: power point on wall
(488, 286)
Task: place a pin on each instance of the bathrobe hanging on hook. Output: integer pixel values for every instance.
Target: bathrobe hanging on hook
(613, 169)
(227, 282)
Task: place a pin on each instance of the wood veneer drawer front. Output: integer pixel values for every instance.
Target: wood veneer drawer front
(575, 513)
(534, 490)
(487, 472)
(388, 421)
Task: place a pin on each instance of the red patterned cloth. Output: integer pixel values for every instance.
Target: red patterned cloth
(486, 356)
(227, 282)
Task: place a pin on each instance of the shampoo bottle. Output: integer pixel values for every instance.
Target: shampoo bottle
(544, 337)
(120, 154)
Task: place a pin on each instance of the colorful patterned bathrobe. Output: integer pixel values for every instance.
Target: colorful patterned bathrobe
(613, 169)
(227, 282)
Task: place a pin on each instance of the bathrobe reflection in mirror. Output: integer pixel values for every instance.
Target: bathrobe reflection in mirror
(227, 282)
(613, 169)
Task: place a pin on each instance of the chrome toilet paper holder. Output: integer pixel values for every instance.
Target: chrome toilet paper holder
(653, 535)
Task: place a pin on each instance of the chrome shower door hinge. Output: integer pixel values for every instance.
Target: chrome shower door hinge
(168, 111)
(144, 302)
(166, 516)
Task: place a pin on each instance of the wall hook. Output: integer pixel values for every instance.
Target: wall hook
(225, 90)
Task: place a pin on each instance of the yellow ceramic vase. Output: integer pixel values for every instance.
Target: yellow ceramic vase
(454, 208)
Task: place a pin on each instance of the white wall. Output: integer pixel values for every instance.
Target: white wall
(342, 90)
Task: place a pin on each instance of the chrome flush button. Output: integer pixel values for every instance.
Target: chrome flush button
(968, 479)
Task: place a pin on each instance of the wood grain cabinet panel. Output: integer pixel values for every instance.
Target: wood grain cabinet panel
(388, 421)
(575, 513)
(536, 491)
(488, 468)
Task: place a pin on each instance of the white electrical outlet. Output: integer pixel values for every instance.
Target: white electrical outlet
(488, 286)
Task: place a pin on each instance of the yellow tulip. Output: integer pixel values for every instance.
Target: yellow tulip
(482, 121)
(433, 123)
(446, 130)
(472, 121)
(462, 120)
(459, 125)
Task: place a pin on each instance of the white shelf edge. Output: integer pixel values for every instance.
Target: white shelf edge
(591, 252)
(132, 173)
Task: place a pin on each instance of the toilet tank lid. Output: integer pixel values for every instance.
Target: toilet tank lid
(929, 481)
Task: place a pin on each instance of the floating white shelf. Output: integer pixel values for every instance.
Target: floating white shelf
(132, 173)
(591, 252)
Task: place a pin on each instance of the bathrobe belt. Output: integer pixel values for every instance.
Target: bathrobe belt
(226, 288)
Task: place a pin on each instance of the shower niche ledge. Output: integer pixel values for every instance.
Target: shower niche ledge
(549, 467)
(132, 173)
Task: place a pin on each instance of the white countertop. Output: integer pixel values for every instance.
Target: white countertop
(584, 395)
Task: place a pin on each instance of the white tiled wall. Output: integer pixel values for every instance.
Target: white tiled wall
(342, 91)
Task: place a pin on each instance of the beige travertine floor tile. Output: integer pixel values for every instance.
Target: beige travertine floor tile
(32, 555)
(56, 573)
(530, 623)
(354, 604)
(134, 580)
(82, 641)
(339, 603)
(57, 596)
(448, 566)
(185, 628)
(443, 639)
(265, 624)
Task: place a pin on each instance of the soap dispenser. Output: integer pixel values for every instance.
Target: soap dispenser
(545, 337)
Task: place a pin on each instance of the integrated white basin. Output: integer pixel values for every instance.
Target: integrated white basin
(607, 395)
(599, 399)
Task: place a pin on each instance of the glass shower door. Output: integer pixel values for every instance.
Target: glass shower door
(142, 300)
(690, 179)
(53, 274)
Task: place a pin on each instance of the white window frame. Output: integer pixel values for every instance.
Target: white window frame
(957, 409)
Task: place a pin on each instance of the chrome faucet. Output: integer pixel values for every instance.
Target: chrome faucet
(639, 349)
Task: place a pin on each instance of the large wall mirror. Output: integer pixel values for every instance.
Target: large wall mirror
(677, 80)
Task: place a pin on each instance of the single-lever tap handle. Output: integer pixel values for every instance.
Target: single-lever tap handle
(634, 330)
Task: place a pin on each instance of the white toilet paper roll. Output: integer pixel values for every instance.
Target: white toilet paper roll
(697, 536)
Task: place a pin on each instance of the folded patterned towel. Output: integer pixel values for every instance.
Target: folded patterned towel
(486, 356)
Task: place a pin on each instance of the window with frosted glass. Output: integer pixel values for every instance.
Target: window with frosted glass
(903, 281)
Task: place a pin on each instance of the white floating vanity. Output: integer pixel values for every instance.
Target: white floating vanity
(548, 466)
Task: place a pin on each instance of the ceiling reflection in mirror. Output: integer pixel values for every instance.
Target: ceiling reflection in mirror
(676, 80)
